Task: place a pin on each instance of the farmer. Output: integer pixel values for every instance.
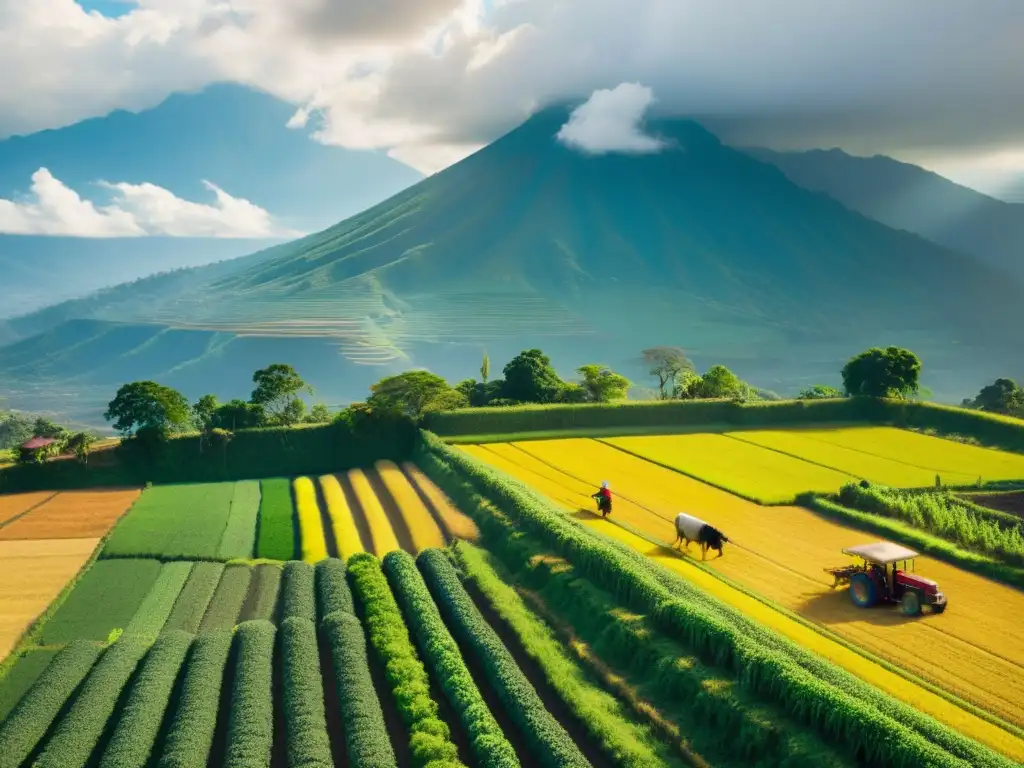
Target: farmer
(604, 499)
(689, 528)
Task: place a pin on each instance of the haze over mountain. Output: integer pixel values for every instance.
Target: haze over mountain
(905, 196)
(528, 242)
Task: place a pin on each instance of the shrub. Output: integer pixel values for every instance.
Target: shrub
(138, 726)
(191, 733)
(34, 714)
(251, 720)
(151, 616)
(239, 539)
(548, 741)
(306, 739)
(366, 735)
(191, 605)
(332, 590)
(276, 539)
(227, 600)
(298, 591)
(79, 731)
(429, 738)
(490, 747)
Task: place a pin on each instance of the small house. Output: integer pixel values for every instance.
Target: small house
(39, 449)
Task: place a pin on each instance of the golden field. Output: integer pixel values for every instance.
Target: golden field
(70, 514)
(975, 649)
(423, 529)
(19, 503)
(313, 543)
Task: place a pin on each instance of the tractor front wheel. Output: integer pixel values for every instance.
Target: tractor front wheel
(863, 590)
(938, 608)
(910, 604)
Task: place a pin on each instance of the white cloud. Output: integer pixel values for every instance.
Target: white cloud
(609, 121)
(136, 210)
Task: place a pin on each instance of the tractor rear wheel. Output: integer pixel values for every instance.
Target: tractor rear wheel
(910, 604)
(863, 590)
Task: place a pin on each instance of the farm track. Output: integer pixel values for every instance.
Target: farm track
(977, 655)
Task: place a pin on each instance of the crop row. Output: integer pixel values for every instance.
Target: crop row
(875, 727)
(311, 529)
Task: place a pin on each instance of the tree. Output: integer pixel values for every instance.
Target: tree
(529, 378)
(602, 384)
(485, 368)
(1002, 396)
(150, 406)
(819, 392)
(319, 414)
(450, 400)
(43, 427)
(79, 444)
(889, 372)
(277, 388)
(203, 412)
(667, 364)
(718, 381)
(238, 414)
(409, 393)
(14, 430)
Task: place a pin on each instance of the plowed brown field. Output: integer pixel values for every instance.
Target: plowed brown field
(975, 649)
(32, 573)
(72, 515)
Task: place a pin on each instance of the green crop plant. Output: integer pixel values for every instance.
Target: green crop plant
(29, 721)
(298, 590)
(135, 734)
(548, 741)
(261, 602)
(239, 539)
(332, 590)
(191, 605)
(22, 675)
(441, 653)
(80, 730)
(227, 601)
(366, 735)
(306, 739)
(276, 532)
(151, 616)
(250, 733)
(429, 737)
(192, 729)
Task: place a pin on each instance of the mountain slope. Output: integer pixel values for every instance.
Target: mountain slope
(528, 243)
(905, 196)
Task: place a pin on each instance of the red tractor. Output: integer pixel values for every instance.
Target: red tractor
(877, 579)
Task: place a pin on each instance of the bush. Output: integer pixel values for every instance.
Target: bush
(191, 733)
(366, 735)
(276, 528)
(251, 719)
(298, 592)
(80, 730)
(332, 590)
(429, 738)
(191, 605)
(549, 743)
(305, 719)
(34, 714)
(138, 726)
(227, 601)
(490, 747)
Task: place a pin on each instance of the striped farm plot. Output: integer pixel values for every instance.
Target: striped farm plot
(974, 650)
(69, 515)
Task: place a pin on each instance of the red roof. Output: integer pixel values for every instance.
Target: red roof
(38, 442)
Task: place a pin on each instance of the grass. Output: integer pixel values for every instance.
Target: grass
(305, 720)
(226, 604)
(383, 535)
(239, 539)
(311, 529)
(194, 599)
(106, 598)
(174, 522)
(135, 734)
(276, 537)
(250, 733)
(151, 616)
(625, 742)
(343, 525)
(25, 670)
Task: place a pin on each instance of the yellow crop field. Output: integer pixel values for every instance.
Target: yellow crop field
(459, 525)
(749, 470)
(16, 504)
(383, 535)
(938, 456)
(32, 573)
(866, 466)
(975, 649)
(311, 528)
(346, 535)
(422, 526)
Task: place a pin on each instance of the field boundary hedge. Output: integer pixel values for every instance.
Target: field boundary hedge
(989, 429)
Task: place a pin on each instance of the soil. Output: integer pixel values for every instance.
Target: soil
(1011, 501)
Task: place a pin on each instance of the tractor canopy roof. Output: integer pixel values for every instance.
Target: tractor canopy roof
(882, 552)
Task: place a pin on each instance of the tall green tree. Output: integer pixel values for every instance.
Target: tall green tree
(1002, 396)
(876, 372)
(150, 406)
(238, 414)
(203, 412)
(44, 427)
(602, 384)
(414, 392)
(530, 378)
(277, 389)
(667, 364)
(485, 368)
(319, 414)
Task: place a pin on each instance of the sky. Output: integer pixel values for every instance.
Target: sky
(935, 82)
